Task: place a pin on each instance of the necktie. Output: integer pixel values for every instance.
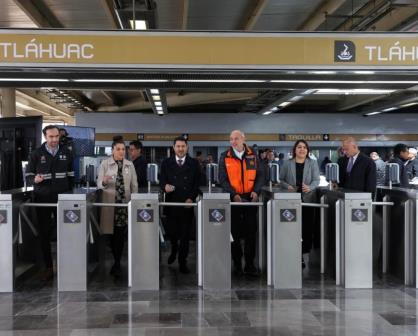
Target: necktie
(350, 165)
(180, 162)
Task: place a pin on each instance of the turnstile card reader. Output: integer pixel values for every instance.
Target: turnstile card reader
(72, 234)
(143, 239)
(214, 241)
(284, 233)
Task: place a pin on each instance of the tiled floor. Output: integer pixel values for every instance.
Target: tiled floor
(180, 308)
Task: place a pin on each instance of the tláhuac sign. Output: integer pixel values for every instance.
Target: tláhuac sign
(192, 49)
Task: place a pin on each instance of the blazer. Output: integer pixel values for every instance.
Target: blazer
(310, 177)
(185, 179)
(110, 168)
(362, 176)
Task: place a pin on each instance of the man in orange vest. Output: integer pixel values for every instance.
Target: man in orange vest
(242, 175)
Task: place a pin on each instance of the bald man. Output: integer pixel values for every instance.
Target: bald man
(242, 176)
(357, 171)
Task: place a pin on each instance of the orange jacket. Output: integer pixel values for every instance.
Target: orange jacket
(240, 176)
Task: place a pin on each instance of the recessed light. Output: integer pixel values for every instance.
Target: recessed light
(158, 103)
(138, 24)
(156, 97)
(154, 91)
(390, 109)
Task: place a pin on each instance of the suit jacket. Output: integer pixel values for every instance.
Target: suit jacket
(141, 171)
(185, 179)
(362, 176)
(310, 177)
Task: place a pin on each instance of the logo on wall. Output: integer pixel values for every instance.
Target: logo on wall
(145, 215)
(344, 51)
(359, 215)
(288, 215)
(72, 216)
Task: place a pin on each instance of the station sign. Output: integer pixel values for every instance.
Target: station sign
(59, 48)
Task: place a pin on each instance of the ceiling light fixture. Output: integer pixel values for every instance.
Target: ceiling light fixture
(319, 81)
(219, 81)
(120, 80)
(373, 113)
(138, 24)
(390, 109)
(353, 91)
(409, 104)
(34, 80)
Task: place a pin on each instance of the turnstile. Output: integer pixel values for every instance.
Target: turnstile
(284, 234)
(399, 233)
(73, 235)
(214, 241)
(349, 233)
(143, 239)
(15, 258)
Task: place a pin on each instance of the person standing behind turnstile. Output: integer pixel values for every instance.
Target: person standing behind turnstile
(139, 161)
(117, 178)
(380, 169)
(400, 157)
(242, 176)
(50, 170)
(179, 179)
(301, 174)
(357, 170)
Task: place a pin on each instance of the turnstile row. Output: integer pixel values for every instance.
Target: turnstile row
(352, 231)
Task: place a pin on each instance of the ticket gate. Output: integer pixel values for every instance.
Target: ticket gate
(399, 233)
(348, 234)
(18, 245)
(74, 233)
(214, 241)
(284, 232)
(143, 243)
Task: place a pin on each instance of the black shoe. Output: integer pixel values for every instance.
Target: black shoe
(250, 269)
(172, 258)
(184, 269)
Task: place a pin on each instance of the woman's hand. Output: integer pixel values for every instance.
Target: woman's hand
(107, 179)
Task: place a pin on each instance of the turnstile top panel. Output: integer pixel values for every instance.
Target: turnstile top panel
(216, 195)
(78, 194)
(5, 197)
(347, 194)
(280, 194)
(205, 190)
(398, 191)
(150, 196)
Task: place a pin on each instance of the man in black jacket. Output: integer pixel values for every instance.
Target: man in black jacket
(138, 159)
(179, 179)
(401, 156)
(357, 171)
(50, 171)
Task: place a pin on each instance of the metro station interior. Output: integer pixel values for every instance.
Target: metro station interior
(242, 82)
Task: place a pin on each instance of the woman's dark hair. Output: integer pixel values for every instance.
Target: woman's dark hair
(296, 144)
(117, 139)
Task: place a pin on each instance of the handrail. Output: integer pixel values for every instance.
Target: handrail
(40, 205)
(315, 205)
(247, 204)
(383, 203)
(115, 205)
(177, 204)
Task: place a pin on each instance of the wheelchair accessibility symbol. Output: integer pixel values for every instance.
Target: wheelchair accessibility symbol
(359, 215)
(3, 216)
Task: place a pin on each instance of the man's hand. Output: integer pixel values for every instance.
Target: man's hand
(169, 188)
(290, 188)
(38, 178)
(305, 188)
(189, 200)
(254, 197)
(237, 198)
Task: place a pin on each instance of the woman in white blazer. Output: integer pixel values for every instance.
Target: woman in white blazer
(117, 178)
(301, 174)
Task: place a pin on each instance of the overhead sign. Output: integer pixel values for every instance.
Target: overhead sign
(192, 49)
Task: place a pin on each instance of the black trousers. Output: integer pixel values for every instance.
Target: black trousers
(117, 242)
(243, 226)
(308, 223)
(46, 225)
(180, 223)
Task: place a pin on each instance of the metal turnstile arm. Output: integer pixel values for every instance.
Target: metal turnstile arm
(96, 224)
(28, 222)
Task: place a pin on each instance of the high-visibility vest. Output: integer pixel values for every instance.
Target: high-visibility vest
(241, 173)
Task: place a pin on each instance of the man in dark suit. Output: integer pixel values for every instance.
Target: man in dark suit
(180, 177)
(140, 164)
(357, 171)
